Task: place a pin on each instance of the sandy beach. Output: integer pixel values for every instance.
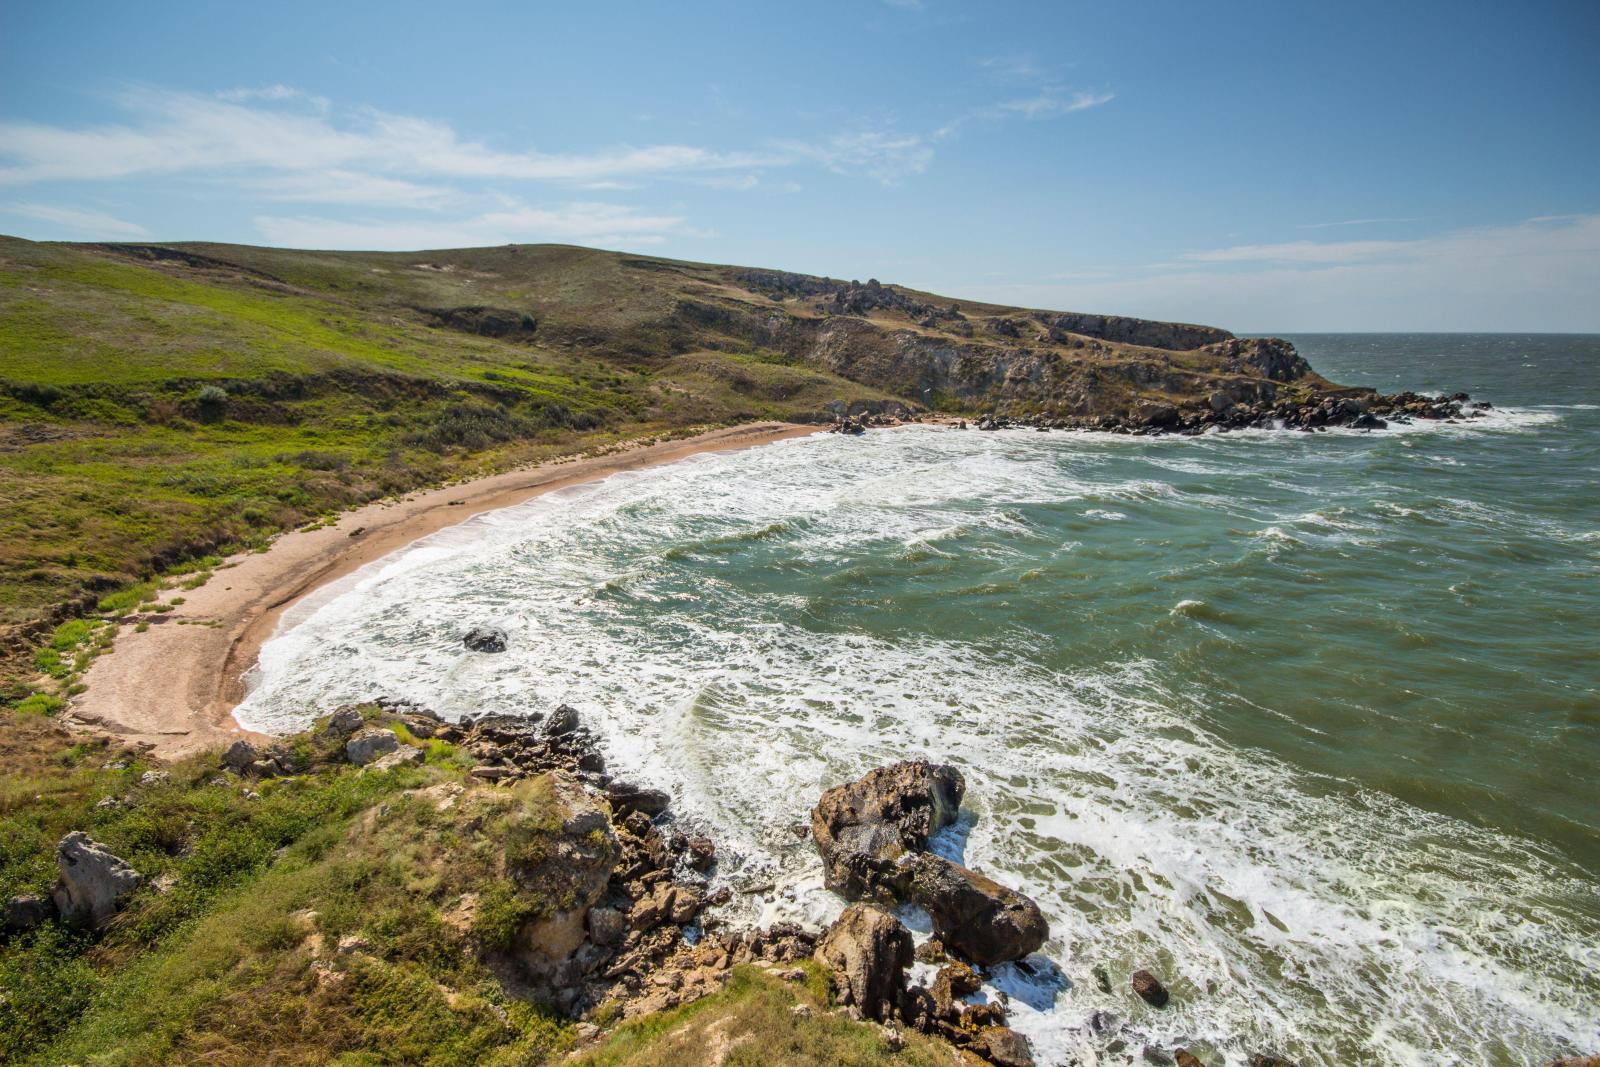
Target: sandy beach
(176, 684)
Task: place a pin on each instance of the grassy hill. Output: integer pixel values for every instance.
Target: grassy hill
(162, 402)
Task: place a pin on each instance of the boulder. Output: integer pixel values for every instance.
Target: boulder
(976, 916)
(27, 910)
(369, 744)
(868, 950)
(1003, 1046)
(347, 720)
(1150, 989)
(93, 881)
(485, 639)
(562, 721)
(240, 755)
(1186, 1058)
(607, 926)
(627, 797)
(863, 828)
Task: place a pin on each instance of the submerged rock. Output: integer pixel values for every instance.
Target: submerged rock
(1150, 989)
(485, 639)
(93, 883)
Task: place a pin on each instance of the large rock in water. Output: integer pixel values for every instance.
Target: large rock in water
(93, 881)
(869, 950)
(976, 916)
(485, 639)
(863, 828)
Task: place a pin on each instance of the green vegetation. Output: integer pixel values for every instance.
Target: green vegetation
(333, 916)
(160, 407)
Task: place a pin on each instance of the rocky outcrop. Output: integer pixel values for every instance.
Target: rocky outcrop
(863, 828)
(869, 950)
(485, 321)
(873, 834)
(94, 882)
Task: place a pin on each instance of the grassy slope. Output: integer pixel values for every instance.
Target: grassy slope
(222, 966)
(339, 392)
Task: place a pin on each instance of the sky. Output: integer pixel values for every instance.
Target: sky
(1262, 166)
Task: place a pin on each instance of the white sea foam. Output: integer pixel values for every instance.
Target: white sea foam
(1287, 911)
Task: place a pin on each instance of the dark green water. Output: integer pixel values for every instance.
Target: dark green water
(1308, 723)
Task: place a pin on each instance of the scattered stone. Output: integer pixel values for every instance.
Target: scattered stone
(586, 1031)
(107, 804)
(263, 768)
(350, 944)
(869, 950)
(893, 1039)
(607, 926)
(93, 880)
(369, 744)
(26, 911)
(1150, 989)
(153, 777)
(240, 755)
(485, 639)
(803, 1011)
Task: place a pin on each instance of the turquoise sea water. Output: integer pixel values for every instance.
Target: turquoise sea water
(1308, 723)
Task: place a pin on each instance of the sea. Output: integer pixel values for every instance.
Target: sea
(1307, 724)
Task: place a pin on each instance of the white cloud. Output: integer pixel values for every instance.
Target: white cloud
(92, 223)
(889, 157)
(1540, 274)
(1356, 222)
(351, 187)
(584, 222)
(177, 132)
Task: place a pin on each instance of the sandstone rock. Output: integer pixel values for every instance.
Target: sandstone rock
(863, 828)
(1186, 1058)
(93, 881)
(369, 744)
(240, 755)
(485, 639)
(869, 950)
(953, 982)
(404, 756)
(25, 911)
(1150, 989)
(702, 854)
(1003, 1046)
(976, 916)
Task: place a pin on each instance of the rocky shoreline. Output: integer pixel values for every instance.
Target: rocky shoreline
(1356, 409)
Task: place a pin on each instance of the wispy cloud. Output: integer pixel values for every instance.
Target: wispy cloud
(1538, 274)
(587, 222)
(90, 223)
(1357, 222)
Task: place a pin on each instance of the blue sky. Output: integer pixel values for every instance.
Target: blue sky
(1264, 166)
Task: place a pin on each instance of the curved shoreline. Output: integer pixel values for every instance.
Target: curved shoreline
(175, 685)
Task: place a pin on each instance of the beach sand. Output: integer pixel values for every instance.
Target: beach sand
(176, 684)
